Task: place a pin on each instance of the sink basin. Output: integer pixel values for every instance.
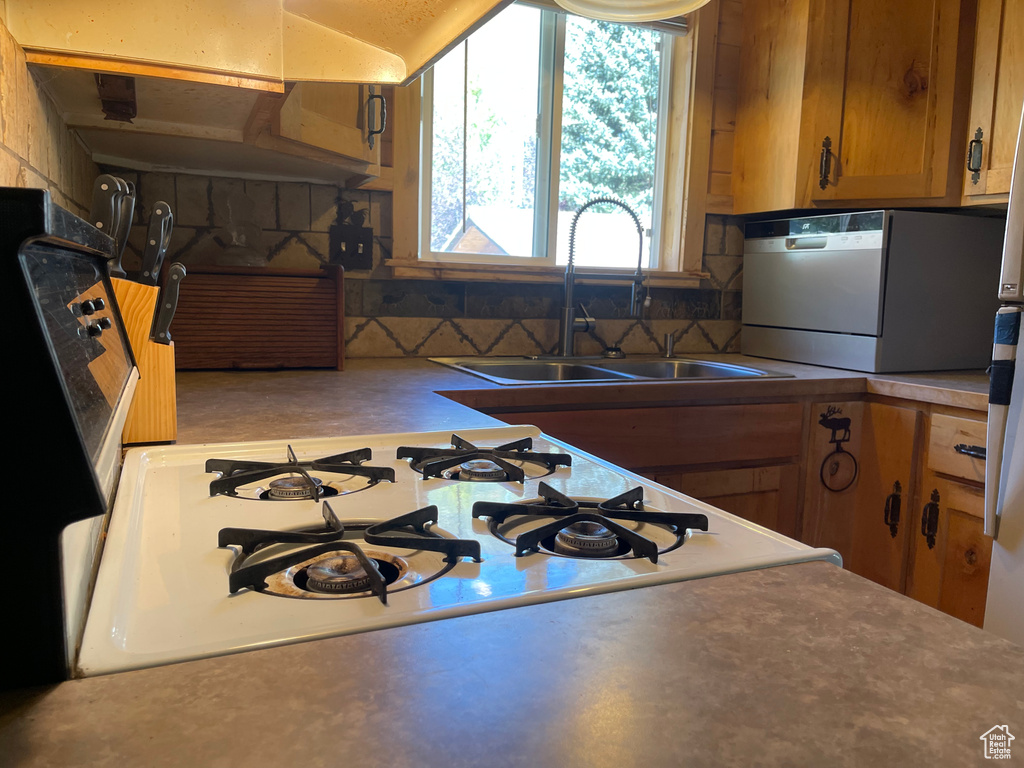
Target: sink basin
(680, 369)
(523, 370)
(541, 370)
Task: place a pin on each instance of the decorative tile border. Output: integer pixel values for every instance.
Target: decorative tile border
(451, 337)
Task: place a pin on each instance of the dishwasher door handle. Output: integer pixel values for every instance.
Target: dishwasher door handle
(806, 243)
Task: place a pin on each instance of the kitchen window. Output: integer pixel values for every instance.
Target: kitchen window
(531, 117)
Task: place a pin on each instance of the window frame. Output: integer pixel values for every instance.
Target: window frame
(686, 197)
(549, 137)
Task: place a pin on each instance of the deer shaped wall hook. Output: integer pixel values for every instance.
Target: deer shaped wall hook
(829, 421)
(839, 469)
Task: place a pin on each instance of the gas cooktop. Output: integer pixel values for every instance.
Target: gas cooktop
(216, 549)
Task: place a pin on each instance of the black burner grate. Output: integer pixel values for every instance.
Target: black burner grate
(397, 532)
(569, 511)
(434, 462)
(236, 473)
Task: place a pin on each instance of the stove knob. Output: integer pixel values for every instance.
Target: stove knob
(92, 306)
(104, 323)
(94, 330)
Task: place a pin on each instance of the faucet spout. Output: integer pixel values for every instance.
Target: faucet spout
(570, 325)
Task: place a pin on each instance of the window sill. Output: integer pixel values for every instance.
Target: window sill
(513, 273)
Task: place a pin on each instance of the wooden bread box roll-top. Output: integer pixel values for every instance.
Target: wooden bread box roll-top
(260, 318)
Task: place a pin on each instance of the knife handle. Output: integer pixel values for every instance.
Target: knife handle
(158, 239)
(168, 304)
(124, 225)
(106, 204)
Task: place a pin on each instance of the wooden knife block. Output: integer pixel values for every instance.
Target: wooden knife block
(153, 417)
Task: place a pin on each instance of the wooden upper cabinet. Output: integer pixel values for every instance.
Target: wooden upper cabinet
(996, 98)
(887, 98)
(341, 118)
(851, 102)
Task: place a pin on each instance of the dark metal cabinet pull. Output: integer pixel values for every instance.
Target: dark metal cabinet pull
(893, 502)
(974, 451)
(930, 519)
(373, 128)
(974, 152)
(825, 167)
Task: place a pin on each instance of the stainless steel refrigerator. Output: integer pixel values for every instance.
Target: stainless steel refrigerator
(1004, 468)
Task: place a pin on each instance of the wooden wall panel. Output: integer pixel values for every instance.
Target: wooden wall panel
(769, 104)
(723, 109)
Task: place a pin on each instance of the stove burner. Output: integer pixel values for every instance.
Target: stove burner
(586, 539)
(577, 531)
(297, 483)
(478, 470)
(465, 461)
(337, 567)
(341, 573)
(295, 487)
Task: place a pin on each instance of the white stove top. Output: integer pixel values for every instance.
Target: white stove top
(162, 592)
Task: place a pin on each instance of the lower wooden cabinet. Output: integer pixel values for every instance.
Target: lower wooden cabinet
(859, 489)
(763, 495)
(680, 446)
(911, 518)
(644, 439)
(892, 486)
(950, 554)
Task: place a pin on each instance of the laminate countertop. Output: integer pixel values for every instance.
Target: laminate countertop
(374, 396)
(803, 665)
(799, 665)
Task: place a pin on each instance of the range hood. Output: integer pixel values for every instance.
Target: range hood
(261, 41)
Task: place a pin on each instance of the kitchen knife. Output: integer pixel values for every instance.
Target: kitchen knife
(158, 237)
(161, 333)
(106, 204)
(124, 225)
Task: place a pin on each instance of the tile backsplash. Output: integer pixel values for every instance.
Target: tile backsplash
(254, 223)
(236, 222)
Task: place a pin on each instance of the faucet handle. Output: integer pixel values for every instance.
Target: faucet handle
(670, 344)
(586, 315)
(577, 324)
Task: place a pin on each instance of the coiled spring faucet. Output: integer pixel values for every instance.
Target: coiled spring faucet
(570, 324)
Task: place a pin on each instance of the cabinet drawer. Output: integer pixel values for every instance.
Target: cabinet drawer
(946, 433)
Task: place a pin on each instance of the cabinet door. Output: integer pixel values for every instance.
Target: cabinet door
(763, 495)
(885, 99)
(996, 97)
(884, 494)
(334, 117)
(951, 555)
(859, 488)
(968, 556)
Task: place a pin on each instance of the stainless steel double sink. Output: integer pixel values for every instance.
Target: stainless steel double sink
(553, 370)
